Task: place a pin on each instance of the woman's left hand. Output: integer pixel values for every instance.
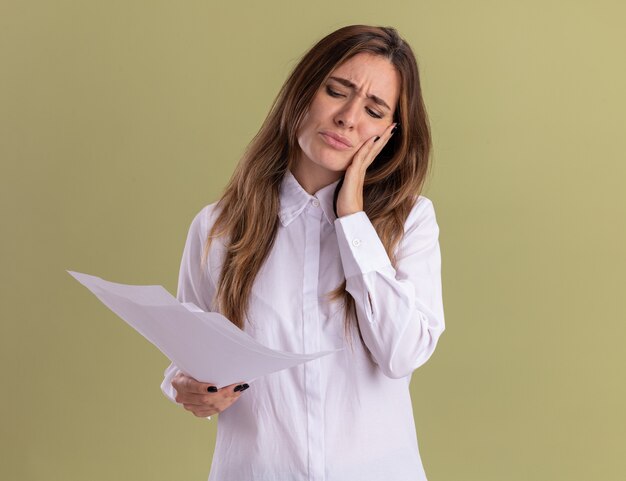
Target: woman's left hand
(350, 198)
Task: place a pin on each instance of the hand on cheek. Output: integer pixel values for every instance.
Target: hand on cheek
(350, 198)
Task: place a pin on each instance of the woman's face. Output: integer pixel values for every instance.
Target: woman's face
(348, 111)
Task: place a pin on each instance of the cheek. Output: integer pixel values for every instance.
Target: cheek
(303, 133)
(304, 125)
(371, 131)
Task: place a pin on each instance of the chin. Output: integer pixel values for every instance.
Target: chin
(334, 163)
(333, 167)
(321, 157)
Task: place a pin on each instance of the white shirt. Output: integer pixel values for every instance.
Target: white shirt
(341, 417)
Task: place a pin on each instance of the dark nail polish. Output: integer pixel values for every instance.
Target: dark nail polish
(245, 386)
(211, 389)
(238, 388)
(395, 127)
(377, 137)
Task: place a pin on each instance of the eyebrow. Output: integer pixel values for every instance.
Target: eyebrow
(349, 84)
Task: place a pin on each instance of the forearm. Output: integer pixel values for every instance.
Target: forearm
(399, 310)
(399, 330)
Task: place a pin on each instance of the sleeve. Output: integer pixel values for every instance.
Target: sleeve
(194, 285)
(399, 311)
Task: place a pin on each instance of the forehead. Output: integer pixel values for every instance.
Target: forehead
(374, 73)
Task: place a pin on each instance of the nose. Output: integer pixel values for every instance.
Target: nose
(347, 116)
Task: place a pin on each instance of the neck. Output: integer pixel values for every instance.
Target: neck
(313, 177)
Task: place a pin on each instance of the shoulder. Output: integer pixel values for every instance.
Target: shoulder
(421, 231)
(422, 215)
(204, 219)
(199, 230)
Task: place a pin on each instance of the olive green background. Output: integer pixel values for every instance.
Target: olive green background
(120, 120)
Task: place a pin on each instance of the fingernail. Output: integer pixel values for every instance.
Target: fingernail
(238, 388)
(211, 389)
(245, 386)
(377, 137)
(395, 127)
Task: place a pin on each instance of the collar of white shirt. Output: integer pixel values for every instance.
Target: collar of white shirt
(293, 199)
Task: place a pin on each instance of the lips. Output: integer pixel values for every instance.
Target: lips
(337, 137)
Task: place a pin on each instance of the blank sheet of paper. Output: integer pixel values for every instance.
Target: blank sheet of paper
(204, 345)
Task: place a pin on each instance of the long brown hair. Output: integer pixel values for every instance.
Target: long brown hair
(248, 216)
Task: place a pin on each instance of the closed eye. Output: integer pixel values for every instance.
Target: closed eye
(332, 93)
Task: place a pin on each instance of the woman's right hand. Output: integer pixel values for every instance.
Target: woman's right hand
(203, 399)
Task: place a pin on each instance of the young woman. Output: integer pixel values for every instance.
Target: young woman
(322, 240)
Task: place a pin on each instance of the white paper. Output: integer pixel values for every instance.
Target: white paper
(204, 345)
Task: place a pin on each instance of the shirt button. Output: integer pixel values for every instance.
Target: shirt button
(356, 242)
(316, 202)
